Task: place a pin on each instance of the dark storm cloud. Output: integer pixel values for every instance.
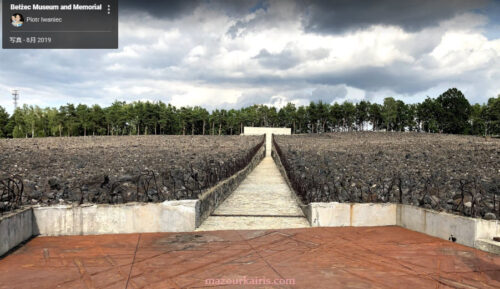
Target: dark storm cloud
(179, 8)
(288, 57)
(160, 8)
(283, 60)
(324, 93)
(325, 16)
(334, 16)
(399, 77)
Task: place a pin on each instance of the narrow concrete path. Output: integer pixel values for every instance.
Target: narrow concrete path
(262, 201)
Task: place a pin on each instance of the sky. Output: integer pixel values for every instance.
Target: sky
(232, 54)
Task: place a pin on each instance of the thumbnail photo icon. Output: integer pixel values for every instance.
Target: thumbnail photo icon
(17, 20)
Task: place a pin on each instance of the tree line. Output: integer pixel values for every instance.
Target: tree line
(449, 113)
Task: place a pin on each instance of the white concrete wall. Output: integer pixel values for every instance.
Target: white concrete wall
(169, 216)
(487, 229)
(438, 224)
(487, 245)
(351, 214)
(329, 214)
(471, 232)
(442, 225)
(467, 231)
(373, 214)
(268, 131)
(15, 228)
(182, 216)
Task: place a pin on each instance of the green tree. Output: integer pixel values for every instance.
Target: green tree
(390, 113)
(427, 115)
(375, 115)
(97, 120)
(323, 113)
(491, 116)
(454, 111)
(30, 118)
(336, 116)
(348, 115)
(301, 119)
(18, 122)
(4, 121)
(116, 118)
(69, 119)
(287, 116)
(53, 121)
(477, 120)
(403, 116)
(83, 115)
(362, 113)
(169, 120)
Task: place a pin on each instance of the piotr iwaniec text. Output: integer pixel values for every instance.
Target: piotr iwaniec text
(44, 20)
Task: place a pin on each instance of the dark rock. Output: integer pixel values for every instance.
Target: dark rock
(54, 184)
(442, 171)
(35, 195)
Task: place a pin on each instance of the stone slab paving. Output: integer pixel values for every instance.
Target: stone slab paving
(340, 257)
(262, 201)
(249, 223)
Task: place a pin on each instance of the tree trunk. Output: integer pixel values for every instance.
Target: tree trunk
(84, 131)
(220, 128)
(203, 127)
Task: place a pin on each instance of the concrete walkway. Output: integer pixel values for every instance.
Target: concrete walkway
(262, 201)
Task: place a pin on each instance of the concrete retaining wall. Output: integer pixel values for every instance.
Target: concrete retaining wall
(169, 216)
(471, 232)
(15, 228)
(351, 214)
(268, 131)
(305, 208)
(181, 216)
(467, 231)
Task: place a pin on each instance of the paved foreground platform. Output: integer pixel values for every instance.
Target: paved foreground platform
(342, 257)
(262, 201)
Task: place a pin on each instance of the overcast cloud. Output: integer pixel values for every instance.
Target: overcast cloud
(229, 54)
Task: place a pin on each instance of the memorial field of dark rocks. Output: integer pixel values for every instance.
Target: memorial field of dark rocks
(120, 169)
(457, 174)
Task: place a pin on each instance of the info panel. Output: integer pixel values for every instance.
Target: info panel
(60, 24)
